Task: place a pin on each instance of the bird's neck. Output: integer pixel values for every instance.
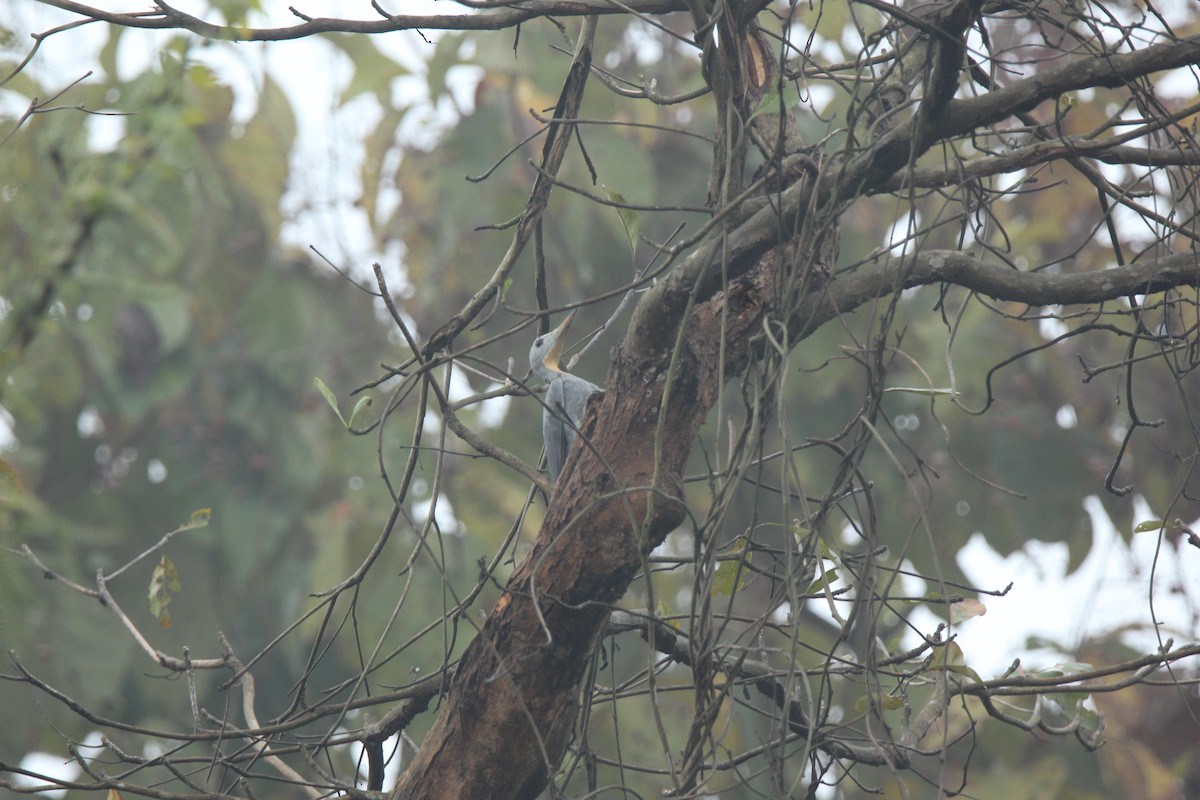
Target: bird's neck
(547, 372)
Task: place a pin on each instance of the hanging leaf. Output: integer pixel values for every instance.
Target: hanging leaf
(629, 218)
(164, 582)
(1068, 701)
(965, 609)
(729, 578)
(731, 574)
(108, 53)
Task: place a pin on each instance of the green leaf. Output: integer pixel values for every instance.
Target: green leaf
(1150, 525)
(363, 402)
(108, 53)
(629, 218)
(1064, 670)
(1091, 720)
(773, 103)
(966, 672)
(149, 217)
(379, 143)
(199, 519)
(1069, 701)
(373, 71)
(728, 579)
(731, 574)
(444, 58)
(930, 596)
(950, 659)
(235, 12)
(817, 587)
(329, 398)
(164, 581)
(662, 610)
(259, 157)
(172, 576)
(887, 702)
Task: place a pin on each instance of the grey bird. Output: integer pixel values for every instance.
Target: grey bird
(566, 396)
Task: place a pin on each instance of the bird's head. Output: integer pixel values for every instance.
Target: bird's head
(546, 353)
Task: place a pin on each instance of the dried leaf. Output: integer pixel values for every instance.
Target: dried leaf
(965, 609)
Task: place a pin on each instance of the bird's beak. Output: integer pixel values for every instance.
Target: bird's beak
(554, 356)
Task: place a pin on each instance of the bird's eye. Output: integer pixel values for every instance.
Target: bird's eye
(538, 343)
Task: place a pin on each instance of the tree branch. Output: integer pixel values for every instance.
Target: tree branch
(1110, 70)
(874, 170)
(503, 17)
(558, 138)
(903, 145)
(1040, 153)
(849, 291)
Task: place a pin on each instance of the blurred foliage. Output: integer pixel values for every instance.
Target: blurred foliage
(171, 371)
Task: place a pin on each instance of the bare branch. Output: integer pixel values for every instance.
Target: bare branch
(169, 18)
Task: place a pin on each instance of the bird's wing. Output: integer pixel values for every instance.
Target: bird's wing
(576, 392)
(556, 433)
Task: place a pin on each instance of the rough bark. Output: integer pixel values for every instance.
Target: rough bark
(520, 678)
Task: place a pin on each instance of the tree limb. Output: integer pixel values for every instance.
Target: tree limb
(169, 18)
(850, 291)
(558, 138)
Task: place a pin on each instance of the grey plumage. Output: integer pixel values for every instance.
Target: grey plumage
(566, 396)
